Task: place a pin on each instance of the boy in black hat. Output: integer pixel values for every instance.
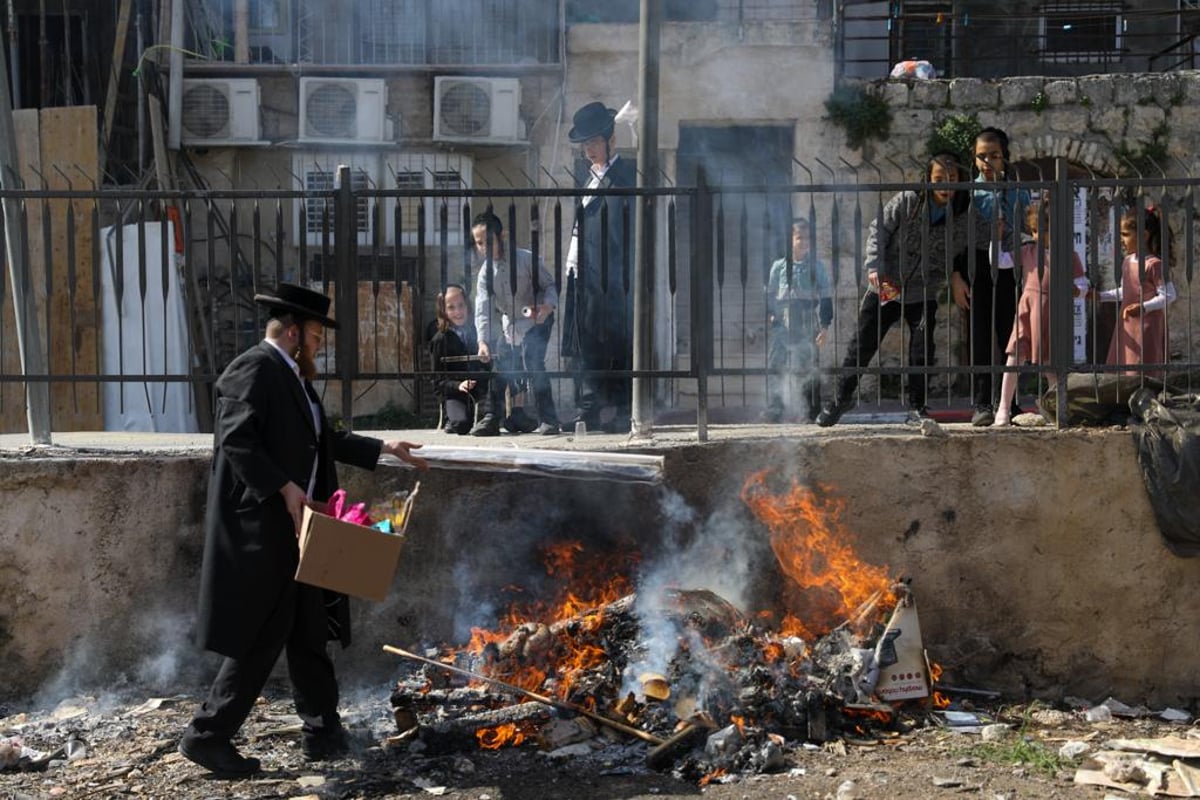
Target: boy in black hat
(598, 306)
(273, 453)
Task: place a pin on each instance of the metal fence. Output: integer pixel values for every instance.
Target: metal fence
(143, 297)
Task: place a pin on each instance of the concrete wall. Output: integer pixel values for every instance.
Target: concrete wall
(1034, 557)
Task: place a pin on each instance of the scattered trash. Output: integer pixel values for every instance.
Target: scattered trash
(1146, 766)
(1174, 715)
(920, 70)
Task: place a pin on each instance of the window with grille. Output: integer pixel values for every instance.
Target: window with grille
(419, 172)
(320, 203)
(317, 176)
(1081, 31)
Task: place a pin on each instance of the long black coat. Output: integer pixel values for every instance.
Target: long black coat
(597, 305)
(263, 438)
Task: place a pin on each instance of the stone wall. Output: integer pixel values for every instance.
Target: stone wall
(1089, 120)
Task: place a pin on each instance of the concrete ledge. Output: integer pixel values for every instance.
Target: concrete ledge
(1034, 556)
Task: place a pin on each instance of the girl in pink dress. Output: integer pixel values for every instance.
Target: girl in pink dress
(1030, 339)
(1144, 293)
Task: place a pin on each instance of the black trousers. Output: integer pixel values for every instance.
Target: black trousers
(992, 314)
(298, 624)
(528, 356)
(874, 321)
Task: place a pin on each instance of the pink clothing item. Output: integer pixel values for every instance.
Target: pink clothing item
(355, 514)
(1141, 339)
(1030, 340)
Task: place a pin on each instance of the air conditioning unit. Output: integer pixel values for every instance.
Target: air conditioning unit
(220, 112)
(481, 110)
(343, 110)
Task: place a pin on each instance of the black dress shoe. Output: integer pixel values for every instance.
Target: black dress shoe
(218, 757)
(520, 422)
(983, 416)
(326, 746)
(831, 412)
(488, 426)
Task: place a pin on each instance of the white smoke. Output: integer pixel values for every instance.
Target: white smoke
(717, 557)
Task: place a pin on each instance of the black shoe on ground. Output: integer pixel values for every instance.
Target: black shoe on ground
(218, 757)
(487, 426)
(326, 746)
(520, 422)
(831, 412)
(983, 416)
(547, 429)
(917, 415)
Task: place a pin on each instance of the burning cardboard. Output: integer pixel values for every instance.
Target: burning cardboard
(730, 687)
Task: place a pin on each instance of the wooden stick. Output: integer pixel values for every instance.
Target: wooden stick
(550, 701)
(676, 745)
(459, 359)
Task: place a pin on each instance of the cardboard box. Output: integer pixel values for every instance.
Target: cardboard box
(900, 654)
(347, 558)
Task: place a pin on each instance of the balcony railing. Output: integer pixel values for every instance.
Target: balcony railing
(381, 33)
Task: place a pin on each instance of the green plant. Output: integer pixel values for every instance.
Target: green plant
(861, 114)
(1023, 749)
(1085, 101)
(955, 134)
(1040, 102)
(1148, 157)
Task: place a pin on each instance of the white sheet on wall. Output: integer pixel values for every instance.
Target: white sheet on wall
(149, 338)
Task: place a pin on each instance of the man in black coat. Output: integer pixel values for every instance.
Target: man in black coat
(598, 303)
(274, 452)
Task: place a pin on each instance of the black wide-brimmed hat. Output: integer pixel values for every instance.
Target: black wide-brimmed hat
(298, 301)
(594, 119)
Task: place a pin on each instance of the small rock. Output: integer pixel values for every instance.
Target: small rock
(311, 781)
(1073, 749)
(847, 791)
(1051, 717)
(946, 783)
(930, 427)
(1099, 714)
(995, 732)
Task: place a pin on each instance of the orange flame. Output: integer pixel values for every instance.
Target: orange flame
(935, 673)
(507, 734)
(712, 776)
(829, 582)
(585, 582)
(877, 714)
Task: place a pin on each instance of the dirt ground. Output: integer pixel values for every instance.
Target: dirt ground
(106, 748)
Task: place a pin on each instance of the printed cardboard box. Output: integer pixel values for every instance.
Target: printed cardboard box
(347, 558)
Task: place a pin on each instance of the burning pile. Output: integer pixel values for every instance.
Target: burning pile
(683, 667)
